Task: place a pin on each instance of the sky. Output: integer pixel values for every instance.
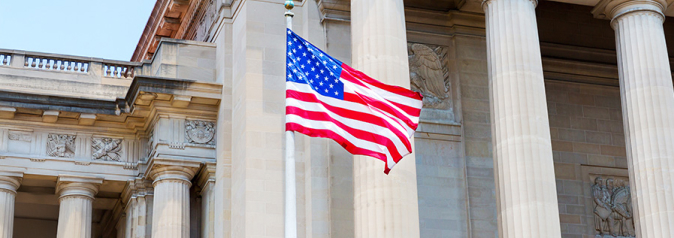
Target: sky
(92, 28)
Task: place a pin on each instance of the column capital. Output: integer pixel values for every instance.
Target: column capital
(486, 2)
(207, 175)
(77, 186)
(10, 181)
(614, 9)
(161, 170)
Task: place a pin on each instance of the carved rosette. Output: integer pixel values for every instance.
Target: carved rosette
(61, 145)
(613, 213)
(429, 74)
(200, 132)
(106, 149)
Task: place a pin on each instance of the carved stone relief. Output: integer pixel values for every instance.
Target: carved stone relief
(429, 74)
(20, 136)
(61, 145)
(613, 215)
(200, 132)
(106, 149)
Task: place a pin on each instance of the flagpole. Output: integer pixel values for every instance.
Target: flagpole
(291, 192)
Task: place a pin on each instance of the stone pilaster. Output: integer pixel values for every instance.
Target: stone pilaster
(171, 197)
(207, 184)
(121, 226)
(648, 111)
(76, 195)
(136, 196)
(526, 197)
(9, 182)
(385, 206)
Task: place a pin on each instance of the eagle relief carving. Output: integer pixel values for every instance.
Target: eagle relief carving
(613, 213)
(429, 75)
(200, 132)
(61, 145)
(106, 149)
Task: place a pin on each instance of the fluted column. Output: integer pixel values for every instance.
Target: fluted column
(647, 96)
(526, 197)
(76, 195)
(385, 206)
(171, 212)
(9, 182)
(207, 185)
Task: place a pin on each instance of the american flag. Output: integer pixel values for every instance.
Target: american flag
(326, 98)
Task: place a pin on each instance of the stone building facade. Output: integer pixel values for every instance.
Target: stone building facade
(540, 119)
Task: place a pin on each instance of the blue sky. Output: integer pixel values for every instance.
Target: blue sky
(95, 28)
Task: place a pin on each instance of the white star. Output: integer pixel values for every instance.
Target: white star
(331, 74)
(313, 56)
(317, 63)
(290, 43)
(317, 76)
(308, 61)
(331, 85)
(307, 74)
(322, 71)
(294, 51)
(288, 32)
(326, 90)
(313, 69)
(320, 55)
(290, 54)
(311, 80)
(294, 70)
(336, 80)
(301, 66)
(300, 47)
(304, 54)
(336, 93)
(310, 50)
(290, 64)
(334, 66)
(326, 78)
(295, 39)
(290, 75)
(321, 83)
(325, 62)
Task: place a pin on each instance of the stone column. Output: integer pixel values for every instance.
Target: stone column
(526, 197)
(648, 111)
(207, 185)
(76, 195)
(385, 206)
(172, 197)
(9, 182)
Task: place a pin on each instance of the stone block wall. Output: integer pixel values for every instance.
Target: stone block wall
(587, 139)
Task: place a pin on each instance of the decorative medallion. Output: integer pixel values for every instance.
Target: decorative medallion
(61, 145)
(429, 74)
(200, 132)
(106, 149)
(613, 213)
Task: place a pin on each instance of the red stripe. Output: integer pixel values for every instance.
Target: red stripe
(365, 100)
(351, 114)
(412, 111)
(360, 134)
(340, 140)
(354, 76)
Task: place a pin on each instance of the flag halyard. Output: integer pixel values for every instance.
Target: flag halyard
(326, 98)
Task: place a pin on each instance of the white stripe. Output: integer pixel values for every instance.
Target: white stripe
(323, 125)
(394, 97)
(366, 91)
(393, 120)
(355, 124)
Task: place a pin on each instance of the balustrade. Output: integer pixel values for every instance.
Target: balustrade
(118, 71)
(58, 64)
(5, 59)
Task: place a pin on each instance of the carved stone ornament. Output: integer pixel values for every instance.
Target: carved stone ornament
(61, 145)
(200, 132)
(429, 74)
(613, 213)
(26, 137)
(106, 149)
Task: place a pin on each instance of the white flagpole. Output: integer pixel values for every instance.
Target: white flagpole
(291, 192)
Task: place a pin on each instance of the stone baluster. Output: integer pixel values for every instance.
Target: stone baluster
(385, 206)
(9, 183)
(647, 96)
(526, 197)
(171, 197)
(76, 195)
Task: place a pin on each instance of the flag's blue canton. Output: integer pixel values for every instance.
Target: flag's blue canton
(307, 64)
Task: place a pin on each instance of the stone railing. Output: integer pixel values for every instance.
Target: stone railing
(69, 64)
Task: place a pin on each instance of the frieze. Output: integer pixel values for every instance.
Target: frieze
(429, 74)
(200, 132)
(20, 136)
(61, 145)
(613, 213)
(106, 149)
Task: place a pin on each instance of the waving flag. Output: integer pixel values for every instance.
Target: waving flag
(326, 98)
